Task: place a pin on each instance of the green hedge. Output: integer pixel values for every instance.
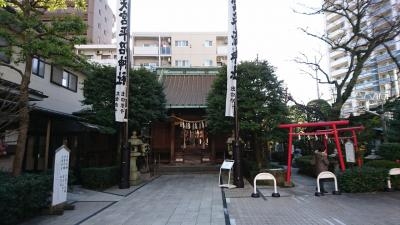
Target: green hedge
(365, 179)
(23, 197)
(100, 178)
(385, 164)
(390, 151)
(304, 165)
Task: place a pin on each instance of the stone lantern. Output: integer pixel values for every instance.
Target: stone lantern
(136, 145)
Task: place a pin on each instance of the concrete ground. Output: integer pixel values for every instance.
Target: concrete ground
(197, 199)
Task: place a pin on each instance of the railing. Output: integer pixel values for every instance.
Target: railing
(145, 50)
(222, 50)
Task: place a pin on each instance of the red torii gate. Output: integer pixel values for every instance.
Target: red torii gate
(334, 131)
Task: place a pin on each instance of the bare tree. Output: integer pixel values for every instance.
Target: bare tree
(368, 28)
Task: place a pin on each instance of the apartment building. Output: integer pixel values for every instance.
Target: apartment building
(104, 54)
(98, 16)
(179, 49)
(379, 78)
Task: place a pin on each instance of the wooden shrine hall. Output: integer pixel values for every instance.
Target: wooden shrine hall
(183, 138)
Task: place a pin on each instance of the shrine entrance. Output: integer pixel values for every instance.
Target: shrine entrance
(191, 141)
(331, 129)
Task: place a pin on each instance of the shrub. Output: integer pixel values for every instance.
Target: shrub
(280, 157)
(305, 166)
(390, 151)
(365, 179)
(23, 196)
(385, 164)
(99, 178)
(250, 169)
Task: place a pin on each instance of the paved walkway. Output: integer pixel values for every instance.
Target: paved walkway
(298, 205)
(187, 199)
(196, 199)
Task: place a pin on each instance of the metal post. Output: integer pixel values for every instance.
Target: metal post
(125, 150)
(237, 173)
(125, 157)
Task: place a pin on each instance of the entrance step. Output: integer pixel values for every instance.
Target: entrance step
(185, 168)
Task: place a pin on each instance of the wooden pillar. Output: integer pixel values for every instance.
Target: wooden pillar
(172, 142)
(289, 156)
(341, 160)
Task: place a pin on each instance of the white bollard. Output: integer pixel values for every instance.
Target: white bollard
(326, 175)
(392, 172)
(264, 176)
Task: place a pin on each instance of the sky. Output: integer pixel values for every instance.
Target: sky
(267, 29)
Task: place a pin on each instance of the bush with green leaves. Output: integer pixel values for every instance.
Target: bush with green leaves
(365, 179)
(99, 177)
(23, 196)
(390, 151)
(385, 164)
(305, 166)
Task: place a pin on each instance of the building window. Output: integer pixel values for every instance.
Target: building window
(181, 43)
(182, 63)
(38, 67)
(99, 25)
(208, 62)
(100, 12)
(64, 78)
(208, 43)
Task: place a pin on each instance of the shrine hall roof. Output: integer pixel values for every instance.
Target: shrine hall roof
(187, 91)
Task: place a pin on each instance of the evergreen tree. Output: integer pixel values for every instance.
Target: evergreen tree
(24, 36)
(146, 98)
(261, 104)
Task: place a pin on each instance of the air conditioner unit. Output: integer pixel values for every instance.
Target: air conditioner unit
(98, 52)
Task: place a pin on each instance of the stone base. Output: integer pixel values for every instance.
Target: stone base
(135, 182)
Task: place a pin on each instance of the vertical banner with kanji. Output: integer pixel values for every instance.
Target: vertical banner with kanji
(122, 36)
(231, 60)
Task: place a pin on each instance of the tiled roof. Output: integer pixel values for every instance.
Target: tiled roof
(187, 91)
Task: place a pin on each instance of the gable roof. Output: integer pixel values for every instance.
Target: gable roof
(187, 91)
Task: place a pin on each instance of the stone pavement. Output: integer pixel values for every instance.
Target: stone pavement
(185, 199)
(196, 199)
(298, 205)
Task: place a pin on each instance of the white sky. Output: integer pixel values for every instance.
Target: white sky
(267, 28)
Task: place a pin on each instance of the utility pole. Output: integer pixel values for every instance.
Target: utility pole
(316, 77)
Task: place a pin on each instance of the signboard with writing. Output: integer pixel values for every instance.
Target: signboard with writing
(122, 75)
(231, 72)
(60, 182)
(350, 156)
(227, 164)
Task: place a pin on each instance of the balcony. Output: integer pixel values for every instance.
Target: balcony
(150, 51)
(222, 50)
(339, 62)
(387, 56)
(165, 50)
(339, 72)
(387, 68)
(367, 85)
(337, 33)
(368, 73)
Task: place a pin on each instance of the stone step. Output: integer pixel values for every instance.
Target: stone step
(186, 168)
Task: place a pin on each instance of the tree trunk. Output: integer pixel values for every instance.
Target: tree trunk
(335, 111)
(23, 103)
